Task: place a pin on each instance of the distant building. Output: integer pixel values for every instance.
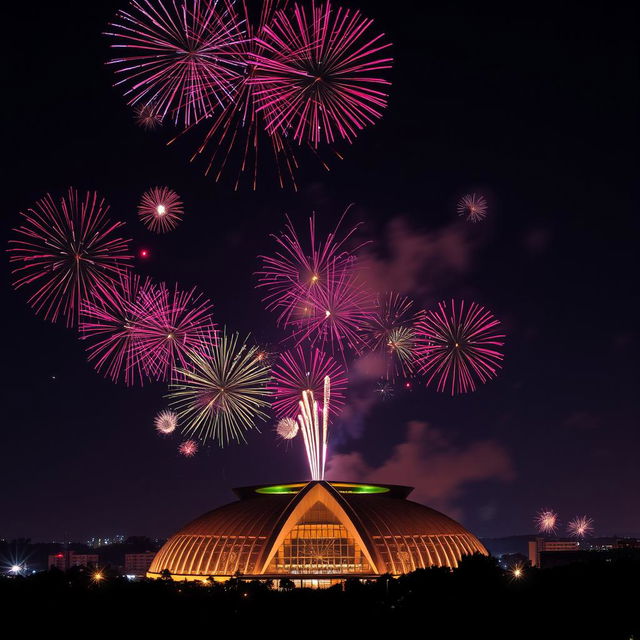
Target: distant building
(137, 564)
(627, 543)
(541, 546)
(67, 559)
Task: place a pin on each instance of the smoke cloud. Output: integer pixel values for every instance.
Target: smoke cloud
(429, 461)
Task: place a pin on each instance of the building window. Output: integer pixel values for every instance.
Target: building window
(319, 544)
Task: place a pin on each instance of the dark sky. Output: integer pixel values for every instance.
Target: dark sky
(534, 107)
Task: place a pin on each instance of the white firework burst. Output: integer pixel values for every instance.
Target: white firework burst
(166, 422)
(287, 428)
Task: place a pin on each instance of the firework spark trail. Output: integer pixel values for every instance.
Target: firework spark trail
(325, 421)
(160, 209)
(178, 56)
(319, 74)
(315, 430)
(458, 348)
(309, 423)
(580, 527)
(108, 321)
(222, 391)
(473, 207)
(172, 325)
(298, 268)
(67, 252)
(301, 370)
(547, 521)
(390, 331)
(238, 125)
(337, 312)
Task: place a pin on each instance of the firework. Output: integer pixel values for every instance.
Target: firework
(458, 347)
(188, 448)
(166, 422)
(298, 268)
(237, 131)
(66, 252)
(160, 209)
(390, 330)
(385, 390)
(473, 207)
(171, 324)
(266, 354)
(301, 370)
(314, 425)
(547, 521)
(178, 55)
(337, 312)
(580, 527)
(222, 391)
(109, 322)
(147, 117)
(319, 77)
(287, 428)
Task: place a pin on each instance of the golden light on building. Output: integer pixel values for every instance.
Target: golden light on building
(316, 533)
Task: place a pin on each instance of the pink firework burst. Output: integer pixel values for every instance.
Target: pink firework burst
(547, 521)
(236, 133)
(301, 370)
(298, 268)
(473, 207)
(333, 314)
(147, 117)
(580, 527)
(319, 77)
(160, 209)
(188, 448)
(458, 347)
(67, 251)
(109, 322)
(171, 324)
(390, 331)
(178, 55)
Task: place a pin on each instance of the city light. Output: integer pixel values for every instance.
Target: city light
(517, 572)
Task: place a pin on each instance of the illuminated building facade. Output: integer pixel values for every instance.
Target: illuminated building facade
(541, 546)
(315, 533)
(67, 559)
(137, 564)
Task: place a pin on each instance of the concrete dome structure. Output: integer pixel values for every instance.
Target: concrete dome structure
(316, 533)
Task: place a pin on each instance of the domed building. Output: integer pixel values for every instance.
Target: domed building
(316, 533)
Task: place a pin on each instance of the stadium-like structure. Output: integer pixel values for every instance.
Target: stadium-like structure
(316, 533)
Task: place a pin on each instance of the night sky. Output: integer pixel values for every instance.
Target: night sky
(534, 108)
